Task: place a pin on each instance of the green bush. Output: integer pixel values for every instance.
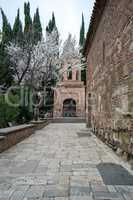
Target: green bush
(24, 115)
(8, 113)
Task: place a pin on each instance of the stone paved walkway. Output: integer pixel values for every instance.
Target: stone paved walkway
(62, 162)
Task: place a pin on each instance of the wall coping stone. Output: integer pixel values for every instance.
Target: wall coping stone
(9, 130)
(39, 122)
(2, 138)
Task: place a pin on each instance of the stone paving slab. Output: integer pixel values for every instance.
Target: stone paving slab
(56, 163)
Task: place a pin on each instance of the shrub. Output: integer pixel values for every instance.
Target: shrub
(24, 115)
(8, 113)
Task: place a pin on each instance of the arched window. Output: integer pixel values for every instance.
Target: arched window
(69, 73)
(77, 75)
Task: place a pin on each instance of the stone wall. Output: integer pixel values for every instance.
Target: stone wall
(41, 124)
(13, 135)
(110, 76)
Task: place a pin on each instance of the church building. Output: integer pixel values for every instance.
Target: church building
(69, 97)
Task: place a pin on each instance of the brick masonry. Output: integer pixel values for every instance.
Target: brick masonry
(69, 89)
(109, 51)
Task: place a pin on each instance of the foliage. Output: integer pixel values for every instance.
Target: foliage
(51, 25)
(6, 70)
(82, 33)
(83, 75)
(37, 28)
(28, 35)
(28, 20)
(26, 58)
(81, 44)
(17, 29)
(29, 59)
(70, 54)
(70, 51)
(24, 115)
(36, 64)
(72, 58)
(7, 112)
(6, 29)
(29, 53)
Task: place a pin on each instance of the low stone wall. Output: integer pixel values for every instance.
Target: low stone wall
(68, 120)
(41, 124)
(13, 135)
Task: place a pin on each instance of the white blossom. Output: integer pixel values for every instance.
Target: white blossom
(36, 63)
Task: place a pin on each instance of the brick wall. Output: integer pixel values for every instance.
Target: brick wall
(110, 74)
(69, 90)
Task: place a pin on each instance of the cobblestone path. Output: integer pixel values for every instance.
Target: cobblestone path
(63, 162)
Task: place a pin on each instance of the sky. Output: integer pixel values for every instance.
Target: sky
(67, 13)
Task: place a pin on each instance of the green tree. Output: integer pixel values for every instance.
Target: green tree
(53, 20)
(52, 34)
(28, 23)
(37, 28)
(6, 29)
(0, 36)
(82, 33)
(6, 71)
(17, 29)
(7, 112)
(51, 25)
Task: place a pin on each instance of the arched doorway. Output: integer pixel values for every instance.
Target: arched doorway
(69, 108)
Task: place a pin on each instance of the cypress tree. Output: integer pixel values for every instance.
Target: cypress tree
(82, 33)
(28, 23)
(53, 20)
(37, 28)
(51, 24)
(6, 72)
(6, 29)
(49, 27)
(17, 29)
(0, 36)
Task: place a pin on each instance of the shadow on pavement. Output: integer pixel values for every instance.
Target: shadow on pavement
(113, 174)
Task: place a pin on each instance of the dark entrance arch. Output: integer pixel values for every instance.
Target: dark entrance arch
(69, 108)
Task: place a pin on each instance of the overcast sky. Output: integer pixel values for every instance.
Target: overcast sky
(67, 13)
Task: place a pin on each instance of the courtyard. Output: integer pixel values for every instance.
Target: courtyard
(65, 67)
(64, 161)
